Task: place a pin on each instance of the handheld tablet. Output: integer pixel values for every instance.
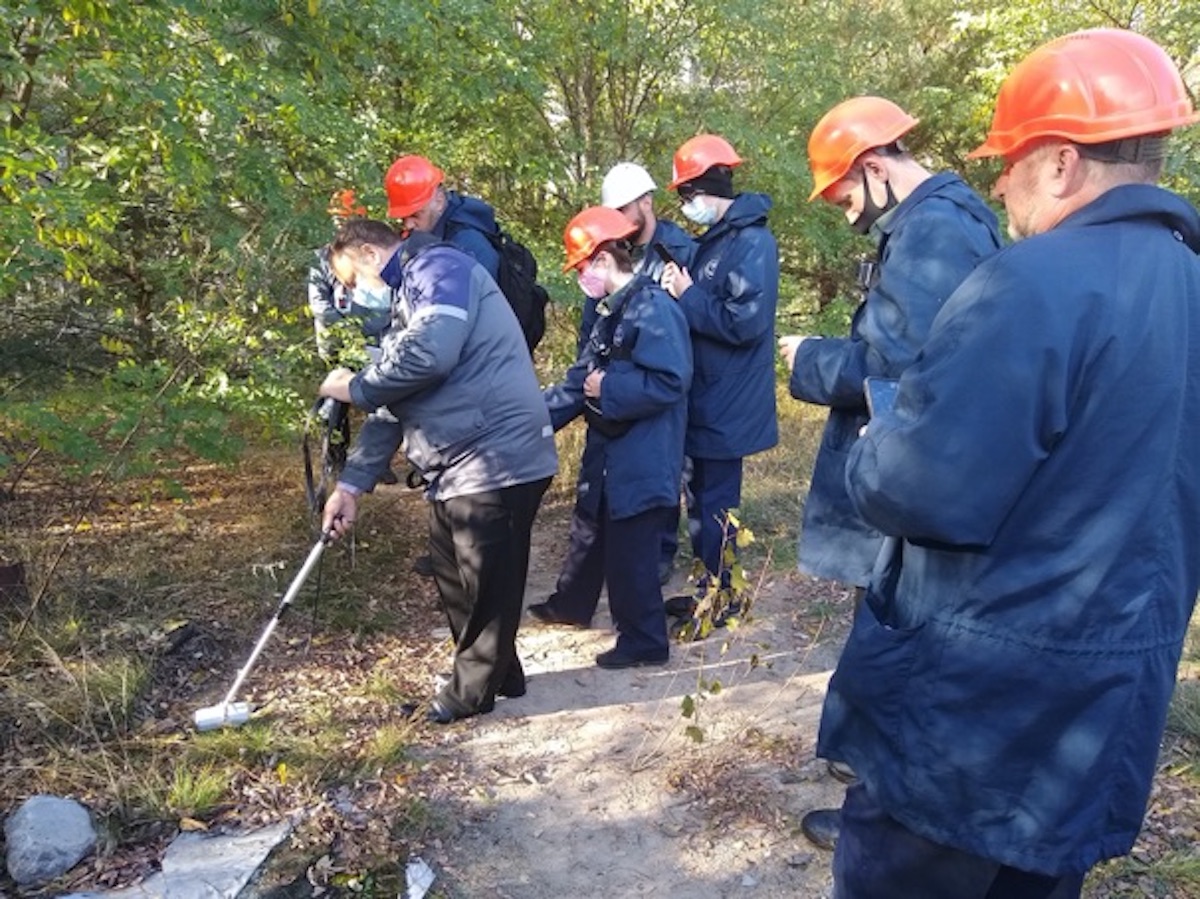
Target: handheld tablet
(880, 394)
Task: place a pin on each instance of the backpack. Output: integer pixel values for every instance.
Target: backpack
(517, 279)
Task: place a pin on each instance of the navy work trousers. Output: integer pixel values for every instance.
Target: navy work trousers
(624, 553)
(715, 487)
(877, 857)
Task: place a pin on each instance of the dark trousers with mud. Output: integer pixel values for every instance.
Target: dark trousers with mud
(480, 550)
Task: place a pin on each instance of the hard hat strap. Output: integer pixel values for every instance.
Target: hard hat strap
(1146, 148)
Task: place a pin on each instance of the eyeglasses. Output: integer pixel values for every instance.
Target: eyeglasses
(687, 192)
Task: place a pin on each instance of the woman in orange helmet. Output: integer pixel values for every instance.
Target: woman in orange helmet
(630, 383)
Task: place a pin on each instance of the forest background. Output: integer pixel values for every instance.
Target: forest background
(166, 166)
(165, 169)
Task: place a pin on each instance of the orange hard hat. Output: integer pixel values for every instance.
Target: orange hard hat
(1090, 87)
(846, 132)
(410, 183)
(343, 204)
(590, 230)
(700, 154)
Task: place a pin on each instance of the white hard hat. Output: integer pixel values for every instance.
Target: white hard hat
(624, 183)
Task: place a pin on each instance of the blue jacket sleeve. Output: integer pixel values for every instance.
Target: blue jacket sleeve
(564, 400)
(974, 417)
(738, 307)
(922, 263)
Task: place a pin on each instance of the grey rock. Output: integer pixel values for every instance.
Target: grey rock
(47, 836)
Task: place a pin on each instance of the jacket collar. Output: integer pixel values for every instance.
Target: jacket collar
(1144, 202)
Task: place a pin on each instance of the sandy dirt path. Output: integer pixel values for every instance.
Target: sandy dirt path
(590, 785)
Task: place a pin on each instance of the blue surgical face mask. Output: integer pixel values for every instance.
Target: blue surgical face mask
(698, 211)
(374, 297)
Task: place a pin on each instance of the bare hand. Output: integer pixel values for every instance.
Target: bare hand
(789, 344)
(675, 280)
(591, 385)
(341, 510)
(337, 384)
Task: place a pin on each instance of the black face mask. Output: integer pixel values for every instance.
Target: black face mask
(871, 213)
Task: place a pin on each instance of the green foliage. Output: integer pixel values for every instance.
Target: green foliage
(724, 598)
(83, 425)
(165, 165)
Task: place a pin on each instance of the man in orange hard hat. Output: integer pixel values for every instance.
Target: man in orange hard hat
(930, 232)
(1003, 691)
(418, 198)
(728, 294)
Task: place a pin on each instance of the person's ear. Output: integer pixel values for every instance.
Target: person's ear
(1070, 170)
(874, 166)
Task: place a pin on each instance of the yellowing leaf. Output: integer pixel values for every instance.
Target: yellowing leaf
(282, 771)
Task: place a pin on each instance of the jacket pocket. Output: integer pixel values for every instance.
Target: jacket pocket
(874, 672)
(436, 440)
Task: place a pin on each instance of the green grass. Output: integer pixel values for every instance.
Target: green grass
(1183, 716)
(1175, 875)
(193, 792)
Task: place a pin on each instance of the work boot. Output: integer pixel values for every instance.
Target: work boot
(616, 658)
(821, 827)
(544, 613)
(680, 606)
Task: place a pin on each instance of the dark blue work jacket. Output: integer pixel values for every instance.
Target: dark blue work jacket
(927, 245)
(730, 309)
(643, 347)
(466, 222)
(1005, 685)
